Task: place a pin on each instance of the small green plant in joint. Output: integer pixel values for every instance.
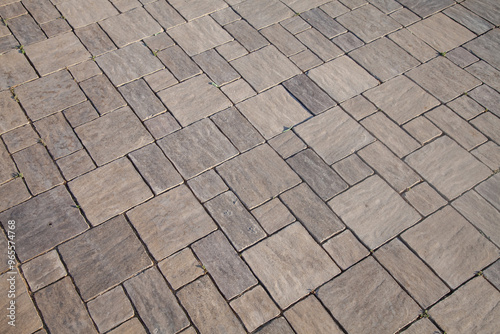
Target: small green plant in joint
(479, 273)
(215, 85)
(41, 141)
(93, 58)
(5, 22)
(14, 95)
(18, 175)
(155, 53)
(424, 314)
(443, 54)
(21, 49)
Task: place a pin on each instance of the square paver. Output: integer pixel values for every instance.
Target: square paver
(345, 249)
(413, 45)
(199, 35)
(378, 214)
(95, 39)
(246, 38)
(103, 194)
(273, 111)
(142, 99)
(334, 135)
(16, 69)
(487, 47)
(287, 144)
(43, 270)
(401, 99)
(263, 13)
(368, 23)
(193, 100)
(485, 8)
(469, 19)
(273, 215)
(451, 246)
(352, 169)
(80, 114)
(387, 309)
(265, 68)
(319, 44)
(488, 189)
(283, 40)
(110, 309)
(113, 135)
(171, 221)
(384, 59)
(80, 13)
(258, 175)
(164, 13)
(11, 194)
(323, 23)
(424, 198)
(292, 247)
(207, 185)
(181, 268)
(255, 308)
(104, 96)
(11, 114)
(58, 135)
(216, 67)
(104, 256)
(207, 147)
(342, 78)
(309, 94)
(309, 316)
(26, 30)
(422, 129)
(448, 167)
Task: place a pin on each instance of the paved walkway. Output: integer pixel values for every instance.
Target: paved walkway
(270, 166)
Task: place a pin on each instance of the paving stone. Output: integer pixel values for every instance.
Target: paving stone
(164, 14)
(345, 249)
(405, 17)
(238, 91)
(181, 268)
(225, 16)
(38, 169)
(8, 168)
(16, 68)
(216, 67)
(380, 215)
(277, 326)
(425, 199)
(12, 10)
(155, 168)
(295, 24)
(95, 39)
(486, 73)
(229, 272)
(309, 316)
(387, 310)
(425, 8)
(11, 114)
(207, 308)
(241, 133)
(62, 308)
(368, 23)
(443, 239)
(273, 215)
(486, 47)
(487, 97)
(421, 326)
(359, 107)
(80, 14)
(333, 135)
(352, 169)
(263, 13)
(207, 185)
(386, 6)
(342, 78)
(466, 107)
(306, 60)
(113, 135)
(159, 42)
(162, 125)
(309, 94)
(287, 144)
(353, 4)
(473, 307)
(347, 42)
(282, 39)
(75, 164)
(443, 79)
(151, 297)
(80, 114)
(49, 95)
(102, 194)
(192, 9)
(448, 167)
(4, 31)
(319, 44)
(486, 9)
(323, 22)
(317, 174)
(245, 34)
(42, 10)
(255, 308)
(287, 112)
(57, 135)
(193, 100)
(301, 6)
(492, 274)
(207, 146)
(25, 29)
(43, 270)
(488, 190)
(142, 99)
(110, 261)
(291, 247)
(110, 309)
(265, 68)
(160, 80)
(103, 95)
(413, 45)
(488, 124)
(125, 5)
(132, 326)
(12, 193)
(461, 57)
(8, 43)
(231, 50)
(488, 154)
(422, 129)
(175, 216)
(406, 268)
(48, 219)
(128, 63)
(85, 70)
(258, 175)
(334, 8)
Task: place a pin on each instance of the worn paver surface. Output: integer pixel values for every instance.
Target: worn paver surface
(249, 166)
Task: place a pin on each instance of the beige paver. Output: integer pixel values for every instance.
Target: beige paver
(44, 270)
(255, 308)
(110, 309)
(309, 316)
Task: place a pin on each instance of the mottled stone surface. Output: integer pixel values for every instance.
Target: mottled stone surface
(57, 134)
(486, 47)
(273, 215)
(352, 169)
(277, 326)
(104, 96)
(424, 198)
(262, 13)
(319, 44)
(492, 274)
(20, 138)
(95, 39)
(489, 190)
(345, 249)
(164, 14)
(422, 129)
(207, 185)
(43, 270)
(488, 154)
(425, 8)
(282, 39)
(238, 91)
(11, 114)
(287, 144)
(80, 114)
(245, 34)
(216, 67)
(179, 63)
(132, 326)
(488, 124)
(255, 308)
(110, 309)
(12, 193)
(181, 268)
(422, 326)
(309, 94)
(142, 99)
(80, 14)
(309, 316)
(192, 9)
(413, 45)
(466, 107)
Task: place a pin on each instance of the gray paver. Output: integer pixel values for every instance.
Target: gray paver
(273, 215)
(413, 45)
(488, 124)
(466, 107)
(309, 316)
(301, 6)
(255, 308)
(142, 99)
(334, 8)
(287, 144)
(309, 94)
(282, 39)
(162, 125)
(461, 57)
(165, 14)
(488, 98)
(126, 5)
(488, 154)
(206, 145)
(160, 80)
(11, 114)
(113, 135)
(347, 42)
(424, 198)
(80, 14)
(225, 16)
(486, 73)
(263, 13)
(26, 30)
(42, 10)
(425, 8)
(85, 70)
(387, 310)
(8, 43)
(492, 274)
(208, 309)
(485, 8)
(405, 16)
(451, 246)
(422, 129)
(352, 169)
(12, 193)
(380, 215)
(132, 326)
(277, 326)
(387, 6)
(287, 112)
(57, 135)
(421, 326)
(216, 67)
(75, 164)
(292, 247)
(102, 194)
(104, 96)
(159, 41)
(178, 62)
(13, 10)
(80, 114)
(16, 68)
(43, 270)
(175, 216)
(192, 9)
(207, 185)
(95, 39)
(323, 22)
(319, 44)
(239, 225)
(359, 107)
(486, 47)
(488, 190)
(181, 268)
(295, 24)
(345, 249)
(233, 49)
(6, 164)
(110, 309)
(448, 167)
(245, 34)
(238, 91)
